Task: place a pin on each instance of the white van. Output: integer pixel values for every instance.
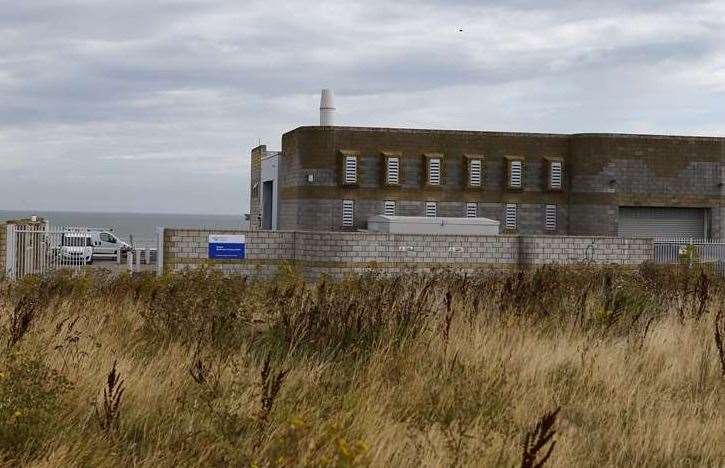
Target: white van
(106, 244)
(76, 248)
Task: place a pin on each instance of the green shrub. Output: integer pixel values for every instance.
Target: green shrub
(31, 405)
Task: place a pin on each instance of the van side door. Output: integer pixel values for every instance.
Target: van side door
(108, 246)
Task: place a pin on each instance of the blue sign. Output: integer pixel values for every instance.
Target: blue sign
(225, 246)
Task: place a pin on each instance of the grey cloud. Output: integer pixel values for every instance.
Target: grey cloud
(166, 98)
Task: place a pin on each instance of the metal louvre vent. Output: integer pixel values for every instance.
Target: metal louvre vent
(348, 211)
(471, 210)
(510, 216)
(550, 217)
(434, 171)
(555, 175)
(350, 169)
(431, 209)
(393, 171)
(515, 175)
(474, 173)
(389, 209)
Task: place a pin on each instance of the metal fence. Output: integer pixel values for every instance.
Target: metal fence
(39, 249)
(674, 251)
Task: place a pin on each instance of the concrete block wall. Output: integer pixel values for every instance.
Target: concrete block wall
(337, 253)
(538, 250)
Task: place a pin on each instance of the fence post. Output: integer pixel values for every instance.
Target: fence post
(159, 251)
(10, 251)
(129, 260)
(118, 256)
(148, 255)
(138, 259)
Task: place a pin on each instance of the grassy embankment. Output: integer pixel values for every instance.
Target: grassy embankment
(433, 370)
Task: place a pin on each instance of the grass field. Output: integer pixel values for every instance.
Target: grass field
(585, 366)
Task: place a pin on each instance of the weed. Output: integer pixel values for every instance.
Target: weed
(719, 334)
(537, 438)
(21, 318)
(108, 413)
(271, 383)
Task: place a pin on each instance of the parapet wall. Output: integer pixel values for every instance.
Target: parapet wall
(336, 253)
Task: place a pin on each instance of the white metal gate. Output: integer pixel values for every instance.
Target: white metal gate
(38, 249)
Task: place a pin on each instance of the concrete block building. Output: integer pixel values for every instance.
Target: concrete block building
(333, 178)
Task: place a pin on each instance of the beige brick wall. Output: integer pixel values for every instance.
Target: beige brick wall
(339, 252)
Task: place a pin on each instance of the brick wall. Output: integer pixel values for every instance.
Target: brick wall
(336, 253)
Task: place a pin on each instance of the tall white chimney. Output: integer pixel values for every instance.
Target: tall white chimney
(327, 108)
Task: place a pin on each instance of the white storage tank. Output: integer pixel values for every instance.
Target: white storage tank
(433, 225)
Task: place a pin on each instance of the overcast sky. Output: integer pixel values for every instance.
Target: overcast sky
(153, 106)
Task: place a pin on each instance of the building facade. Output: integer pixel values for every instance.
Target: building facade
(334, 178)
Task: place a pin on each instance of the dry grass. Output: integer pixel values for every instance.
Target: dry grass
(590, 367)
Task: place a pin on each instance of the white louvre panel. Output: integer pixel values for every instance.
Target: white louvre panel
(431, 209)
(511, 216)
(515, 181)
(434, 171)
(474, 173)
(389, 208)
(555, 175)
(393, 171)
(350, 169)
(471, 210)
(550, 218)
(348, 210)
(662, 222)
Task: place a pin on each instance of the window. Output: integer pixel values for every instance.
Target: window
(350, 175)
(348, 211)
(471, 210)
(475, 172)
(106, 237)
(392, 170)
(550, 218)
(431, 209)
(434, 171)
(516, 167)
(389, 209)
(555, 182)
(510, 218)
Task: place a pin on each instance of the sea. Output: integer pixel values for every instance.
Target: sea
(137, 227)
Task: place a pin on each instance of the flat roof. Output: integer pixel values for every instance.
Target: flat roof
(500, 133)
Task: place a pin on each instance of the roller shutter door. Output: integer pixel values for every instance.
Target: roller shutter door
(662, 222)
